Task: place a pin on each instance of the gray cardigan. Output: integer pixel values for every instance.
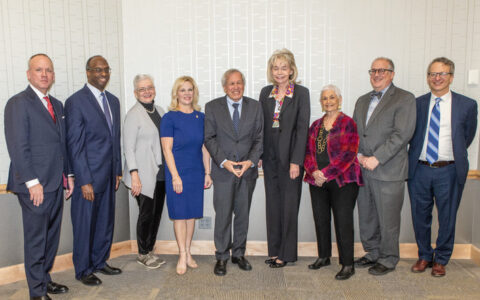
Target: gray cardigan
(141, 146)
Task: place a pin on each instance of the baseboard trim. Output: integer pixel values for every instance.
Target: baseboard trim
(254, 248)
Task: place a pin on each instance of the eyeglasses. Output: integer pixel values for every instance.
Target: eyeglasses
(100, 70)
(144, 89)
(441, 74)
(379, 71)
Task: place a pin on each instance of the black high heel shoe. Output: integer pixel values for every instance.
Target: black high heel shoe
(270, 261)
(345, 273)
(320, 262)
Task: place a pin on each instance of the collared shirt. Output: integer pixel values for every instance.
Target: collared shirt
(97, 93)
(445, 146)
(279, 102)
(231, 109)
(374, 102)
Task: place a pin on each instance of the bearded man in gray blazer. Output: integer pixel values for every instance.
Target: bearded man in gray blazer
(234, 138)
(385, 120)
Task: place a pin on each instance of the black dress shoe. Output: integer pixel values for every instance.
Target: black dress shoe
(270, 261)
(220, 268)
(46, 297)
(363, 262)
(345, 273)
(90, 279)
(108, 270)
(379, 269)
(55, 288)
(320, 262)
(242, 263)
(277, 265)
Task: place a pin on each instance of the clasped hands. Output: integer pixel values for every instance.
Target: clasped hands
(368, 162)
(237, 168)
(320, 179)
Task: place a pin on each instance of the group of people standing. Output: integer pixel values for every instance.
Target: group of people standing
(366, 159)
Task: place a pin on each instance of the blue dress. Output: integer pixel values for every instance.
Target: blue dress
(187, 133)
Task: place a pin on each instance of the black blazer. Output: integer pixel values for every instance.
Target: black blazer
(36, 144)
(294, 123)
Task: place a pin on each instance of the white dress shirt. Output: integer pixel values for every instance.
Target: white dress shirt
(445, 146)
(97, 93)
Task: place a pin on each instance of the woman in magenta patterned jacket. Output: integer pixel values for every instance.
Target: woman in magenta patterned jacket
(334, 175)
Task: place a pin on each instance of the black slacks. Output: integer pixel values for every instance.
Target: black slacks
(342, 202)
(149, 214)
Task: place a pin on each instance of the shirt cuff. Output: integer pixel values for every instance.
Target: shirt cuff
(32, 182)
(221, 165)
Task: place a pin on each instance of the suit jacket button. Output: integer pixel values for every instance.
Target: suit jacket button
(364, 135)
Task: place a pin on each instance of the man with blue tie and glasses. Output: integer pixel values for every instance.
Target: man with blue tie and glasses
(93, 139)
(438, 164)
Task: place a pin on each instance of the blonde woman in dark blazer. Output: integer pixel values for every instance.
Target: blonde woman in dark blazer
(144, 170)
(286, 111)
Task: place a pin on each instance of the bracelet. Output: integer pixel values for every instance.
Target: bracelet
(207, 173)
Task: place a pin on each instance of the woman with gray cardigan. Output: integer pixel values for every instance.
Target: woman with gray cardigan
(144, 169)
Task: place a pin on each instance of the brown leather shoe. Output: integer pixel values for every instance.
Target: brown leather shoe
(421, 265)
(438, 270)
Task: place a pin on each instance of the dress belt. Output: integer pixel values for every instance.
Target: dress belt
(437, 164)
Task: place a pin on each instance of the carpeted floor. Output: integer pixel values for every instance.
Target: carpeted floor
(292, 282)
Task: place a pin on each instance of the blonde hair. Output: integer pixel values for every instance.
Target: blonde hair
(176, 85)
(286, 55)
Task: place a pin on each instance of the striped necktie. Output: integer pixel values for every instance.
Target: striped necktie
(433, 132)
(50, 108)
(106, 111)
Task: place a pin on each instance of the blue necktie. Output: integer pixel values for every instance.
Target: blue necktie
(236, 116)
(433, 132)
(106, 111)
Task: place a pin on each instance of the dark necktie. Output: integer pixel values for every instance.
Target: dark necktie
(50, 108)
(106, 111)
(236, 116)
(378, 94)
(433, 132)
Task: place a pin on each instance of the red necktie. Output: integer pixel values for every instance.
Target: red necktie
(50, 108)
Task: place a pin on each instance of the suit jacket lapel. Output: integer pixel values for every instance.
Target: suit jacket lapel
(243, 116)
(227, 119)
(97, 108)
(38, 105)
(455, 114)
(424, 107)
(383, 102)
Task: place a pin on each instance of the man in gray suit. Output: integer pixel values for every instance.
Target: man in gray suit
(385, 121)
(234, 138)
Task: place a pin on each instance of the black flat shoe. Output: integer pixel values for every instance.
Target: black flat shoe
(220, 268)
(363, 262)
(55, 288)
(277, 265)
(108, 270)
(270, 261)
(90, 279)
(242, 263)
(345, 273)
(320, 262)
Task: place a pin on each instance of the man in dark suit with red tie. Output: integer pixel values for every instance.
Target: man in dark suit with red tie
(93, 138)
(438, 164)
(35, 136)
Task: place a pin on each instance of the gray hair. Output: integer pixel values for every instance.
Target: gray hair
(388, 60)
(140, 77)
(332, 87)
(228, 73)
(444, 61)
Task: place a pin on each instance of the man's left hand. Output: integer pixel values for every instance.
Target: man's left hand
(117, 183)
(294, 171)
(245, 166)
(69, 190)
(371, 163)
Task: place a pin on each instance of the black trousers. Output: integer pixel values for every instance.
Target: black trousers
(149, 214)
(342, 202)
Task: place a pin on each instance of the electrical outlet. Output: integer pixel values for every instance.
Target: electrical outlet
(205, 223)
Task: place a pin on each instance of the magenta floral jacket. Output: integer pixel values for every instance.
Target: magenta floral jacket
(342, 149)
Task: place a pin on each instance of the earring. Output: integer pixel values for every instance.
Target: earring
(339, 107)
